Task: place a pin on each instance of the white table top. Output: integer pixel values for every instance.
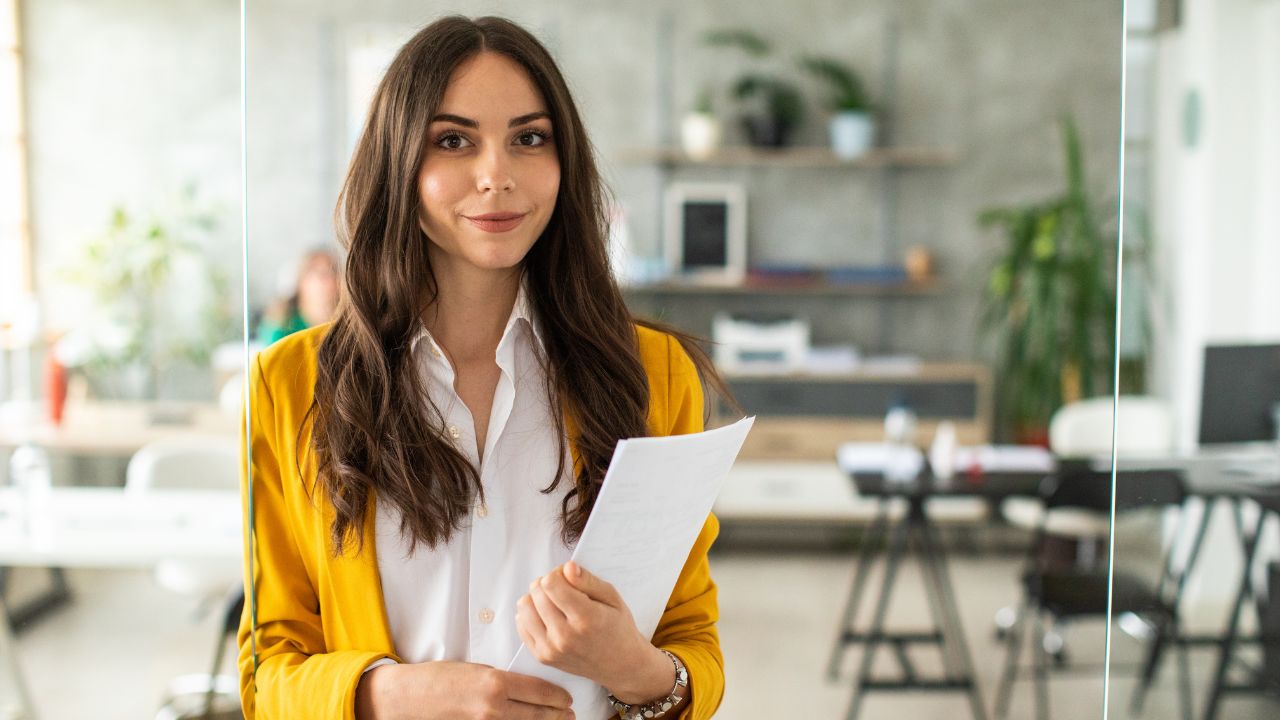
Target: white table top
(112, 528)
(110, 428)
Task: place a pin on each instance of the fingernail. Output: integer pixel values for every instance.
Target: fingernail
(577, 571)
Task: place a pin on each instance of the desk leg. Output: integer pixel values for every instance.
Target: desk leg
(935, 563)
(10, 674)
(876, 631)
(28, 613)
(1227, 645)
(1201, 530)
(935, 593)
(866, 554)
(1175, 634)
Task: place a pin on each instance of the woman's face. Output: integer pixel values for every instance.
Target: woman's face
(318, 289)
(490, 176)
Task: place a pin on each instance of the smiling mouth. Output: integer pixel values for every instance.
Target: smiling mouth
(496, 222)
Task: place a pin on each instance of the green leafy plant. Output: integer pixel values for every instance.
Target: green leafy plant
(745, 40)
(846, 91)
(157, 300)
(773, 104)
(1050, 301)
(781, 99)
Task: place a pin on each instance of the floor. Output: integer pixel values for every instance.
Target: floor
(111, 653)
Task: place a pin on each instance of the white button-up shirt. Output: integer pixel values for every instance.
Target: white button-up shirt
(458, 601)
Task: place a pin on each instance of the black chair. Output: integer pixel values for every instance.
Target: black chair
(1066, 590)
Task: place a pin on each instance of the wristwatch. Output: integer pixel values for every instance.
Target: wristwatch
(657, 708)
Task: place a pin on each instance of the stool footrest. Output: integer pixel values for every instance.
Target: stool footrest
(895, 638)
(918, 684)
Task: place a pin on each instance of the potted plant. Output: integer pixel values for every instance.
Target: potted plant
(773, 105)
(1050, 302)
(852, 125)
(700, 132)
(158, 300)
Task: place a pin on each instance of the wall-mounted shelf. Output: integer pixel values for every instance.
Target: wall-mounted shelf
(805, 157)
(878, 173)
(818, 288)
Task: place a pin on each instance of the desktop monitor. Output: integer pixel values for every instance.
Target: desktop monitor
(1241, 394)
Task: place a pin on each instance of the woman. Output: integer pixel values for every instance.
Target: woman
(422, 467)
(312, 302)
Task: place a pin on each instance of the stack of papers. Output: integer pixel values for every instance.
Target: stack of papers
(901, 461)
(1004, 459)
(656, 497)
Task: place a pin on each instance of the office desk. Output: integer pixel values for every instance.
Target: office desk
(1267, 498)
(109, 528)
(111, 428)
(1212, 480)
(915, 529)
(114, 528)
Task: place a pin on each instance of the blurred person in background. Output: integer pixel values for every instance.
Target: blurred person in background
(313, 301)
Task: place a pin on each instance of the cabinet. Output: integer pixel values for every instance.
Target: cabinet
(806, 417)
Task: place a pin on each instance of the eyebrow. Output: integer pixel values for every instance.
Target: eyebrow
(468, 122)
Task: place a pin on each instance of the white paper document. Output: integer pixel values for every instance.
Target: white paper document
(655, 499)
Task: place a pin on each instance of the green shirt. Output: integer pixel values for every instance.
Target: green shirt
(270, 331)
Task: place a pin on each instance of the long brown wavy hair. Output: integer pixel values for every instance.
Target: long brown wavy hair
(373, 425)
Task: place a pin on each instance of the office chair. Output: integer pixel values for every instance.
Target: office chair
(1080, 431)
(1071, 591)
(192, 463)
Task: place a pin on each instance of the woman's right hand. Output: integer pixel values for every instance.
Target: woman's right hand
(457, 690)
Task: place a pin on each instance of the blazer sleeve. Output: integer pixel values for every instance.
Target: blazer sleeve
(688, 625)
(293, 675)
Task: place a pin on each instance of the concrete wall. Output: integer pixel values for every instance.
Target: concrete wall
(121, 110)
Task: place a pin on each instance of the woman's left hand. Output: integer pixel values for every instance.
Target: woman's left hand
(576, 622)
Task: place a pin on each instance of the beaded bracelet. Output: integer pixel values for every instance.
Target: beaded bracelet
(657, 708)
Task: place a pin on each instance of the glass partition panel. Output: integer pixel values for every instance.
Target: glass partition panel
(1196, 435)
(890, 229)
(120, 355)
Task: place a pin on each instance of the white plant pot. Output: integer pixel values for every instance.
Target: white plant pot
(852, 134)
(700, 135)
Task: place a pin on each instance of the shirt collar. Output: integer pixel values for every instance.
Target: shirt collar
(522, 310)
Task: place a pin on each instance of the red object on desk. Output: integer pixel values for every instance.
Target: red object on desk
(55, 388)
(974, 475)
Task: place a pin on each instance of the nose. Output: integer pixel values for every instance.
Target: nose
(493, 173)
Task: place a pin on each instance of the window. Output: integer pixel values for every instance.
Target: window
(15, 243)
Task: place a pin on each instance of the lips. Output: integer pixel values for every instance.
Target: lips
(496, 222)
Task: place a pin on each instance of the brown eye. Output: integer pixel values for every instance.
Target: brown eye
(451, 141)
(532, 138)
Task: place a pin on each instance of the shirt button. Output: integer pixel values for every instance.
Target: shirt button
(486, 616)
(454, 433)
(482, 511)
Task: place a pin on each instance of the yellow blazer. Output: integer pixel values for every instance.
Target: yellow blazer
(321, 619)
